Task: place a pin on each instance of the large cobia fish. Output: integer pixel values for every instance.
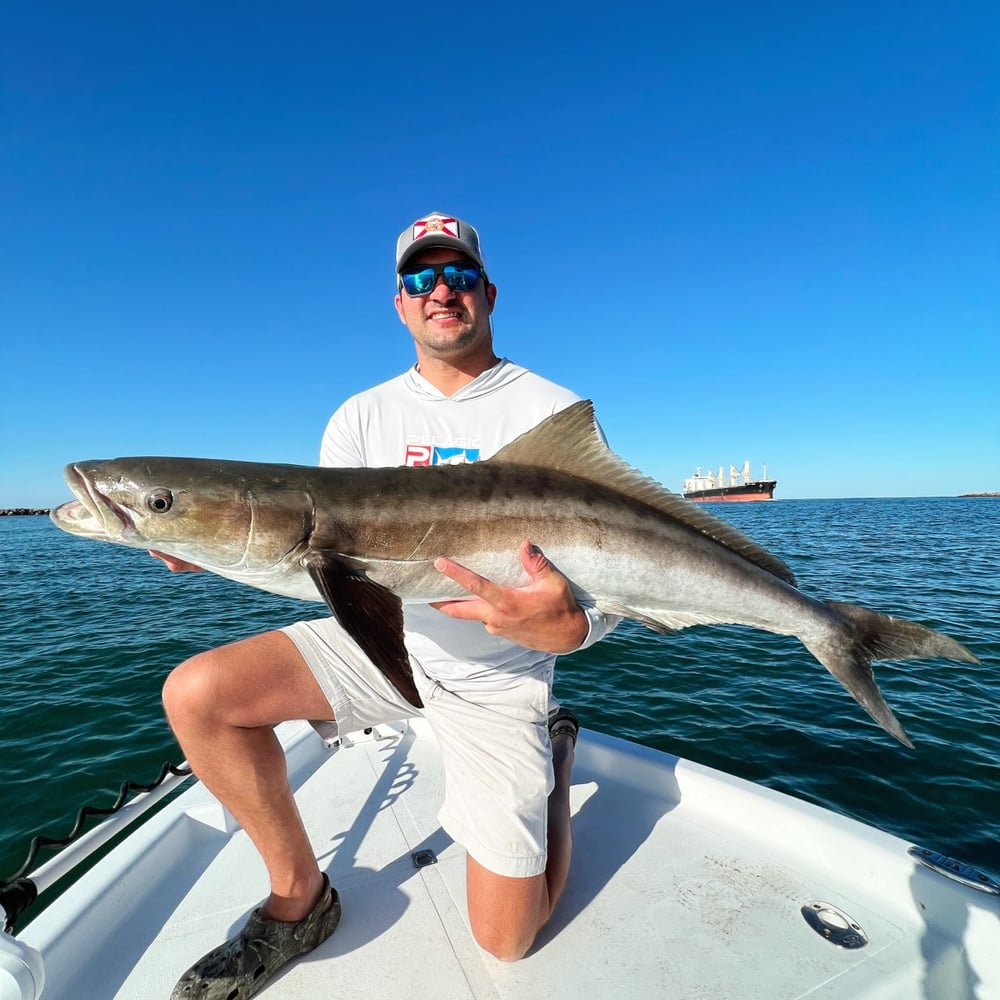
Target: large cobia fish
(365, 540)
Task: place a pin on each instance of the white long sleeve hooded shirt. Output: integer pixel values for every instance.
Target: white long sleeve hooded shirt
(407, 421)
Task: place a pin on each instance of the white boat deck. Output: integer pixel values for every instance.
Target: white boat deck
(685, 883)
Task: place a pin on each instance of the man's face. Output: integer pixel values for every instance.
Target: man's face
(446, 324)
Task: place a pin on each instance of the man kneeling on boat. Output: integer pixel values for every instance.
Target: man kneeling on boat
(482, 667)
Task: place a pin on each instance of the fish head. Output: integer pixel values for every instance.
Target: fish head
(208, 512)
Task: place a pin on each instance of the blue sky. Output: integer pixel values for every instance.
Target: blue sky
(748, 231)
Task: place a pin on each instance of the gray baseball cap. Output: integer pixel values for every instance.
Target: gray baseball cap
(438, 230)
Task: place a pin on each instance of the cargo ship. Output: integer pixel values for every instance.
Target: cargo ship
(738, 487)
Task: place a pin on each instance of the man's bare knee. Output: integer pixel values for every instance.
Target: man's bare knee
(505, 913)
(187, 690)
(506, 947)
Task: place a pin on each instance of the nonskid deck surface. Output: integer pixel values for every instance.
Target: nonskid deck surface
(685, 883)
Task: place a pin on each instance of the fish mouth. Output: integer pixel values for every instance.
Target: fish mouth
(92, 514)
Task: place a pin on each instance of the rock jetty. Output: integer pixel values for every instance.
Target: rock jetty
(19, 511)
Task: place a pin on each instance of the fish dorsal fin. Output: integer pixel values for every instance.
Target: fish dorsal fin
(569, 442)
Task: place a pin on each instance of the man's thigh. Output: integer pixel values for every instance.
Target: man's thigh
(259, 681)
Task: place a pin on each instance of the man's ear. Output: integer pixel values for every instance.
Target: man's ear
(398, 302)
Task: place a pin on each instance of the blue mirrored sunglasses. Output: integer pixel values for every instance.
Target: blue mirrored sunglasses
(458, 276)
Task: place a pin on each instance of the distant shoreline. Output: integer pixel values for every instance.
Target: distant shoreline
(34, 511)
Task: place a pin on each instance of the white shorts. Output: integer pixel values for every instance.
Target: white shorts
(494, 744)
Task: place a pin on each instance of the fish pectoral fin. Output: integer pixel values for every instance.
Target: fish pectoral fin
(370, 614)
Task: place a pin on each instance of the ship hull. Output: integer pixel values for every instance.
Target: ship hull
(761, 490)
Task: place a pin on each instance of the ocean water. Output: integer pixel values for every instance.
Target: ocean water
(88, 632)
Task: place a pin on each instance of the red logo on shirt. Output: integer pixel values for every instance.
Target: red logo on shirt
(419, 454)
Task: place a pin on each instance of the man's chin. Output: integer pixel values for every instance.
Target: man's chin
(444, 343)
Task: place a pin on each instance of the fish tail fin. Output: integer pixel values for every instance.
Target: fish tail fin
(889, 638)
(874, 636)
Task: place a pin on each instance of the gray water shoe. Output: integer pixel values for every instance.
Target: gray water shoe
(240, 968)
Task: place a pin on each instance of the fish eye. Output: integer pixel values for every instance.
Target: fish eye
(160, 500)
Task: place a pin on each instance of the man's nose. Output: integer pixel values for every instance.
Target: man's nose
(441, 292)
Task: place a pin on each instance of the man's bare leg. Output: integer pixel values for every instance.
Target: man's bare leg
(507, 913)
(222, 705)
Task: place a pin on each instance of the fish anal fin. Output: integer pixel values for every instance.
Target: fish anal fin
(653, 624)
(661, 620)
(370, 614)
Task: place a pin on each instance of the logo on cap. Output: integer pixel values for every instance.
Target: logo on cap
(425, 227)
